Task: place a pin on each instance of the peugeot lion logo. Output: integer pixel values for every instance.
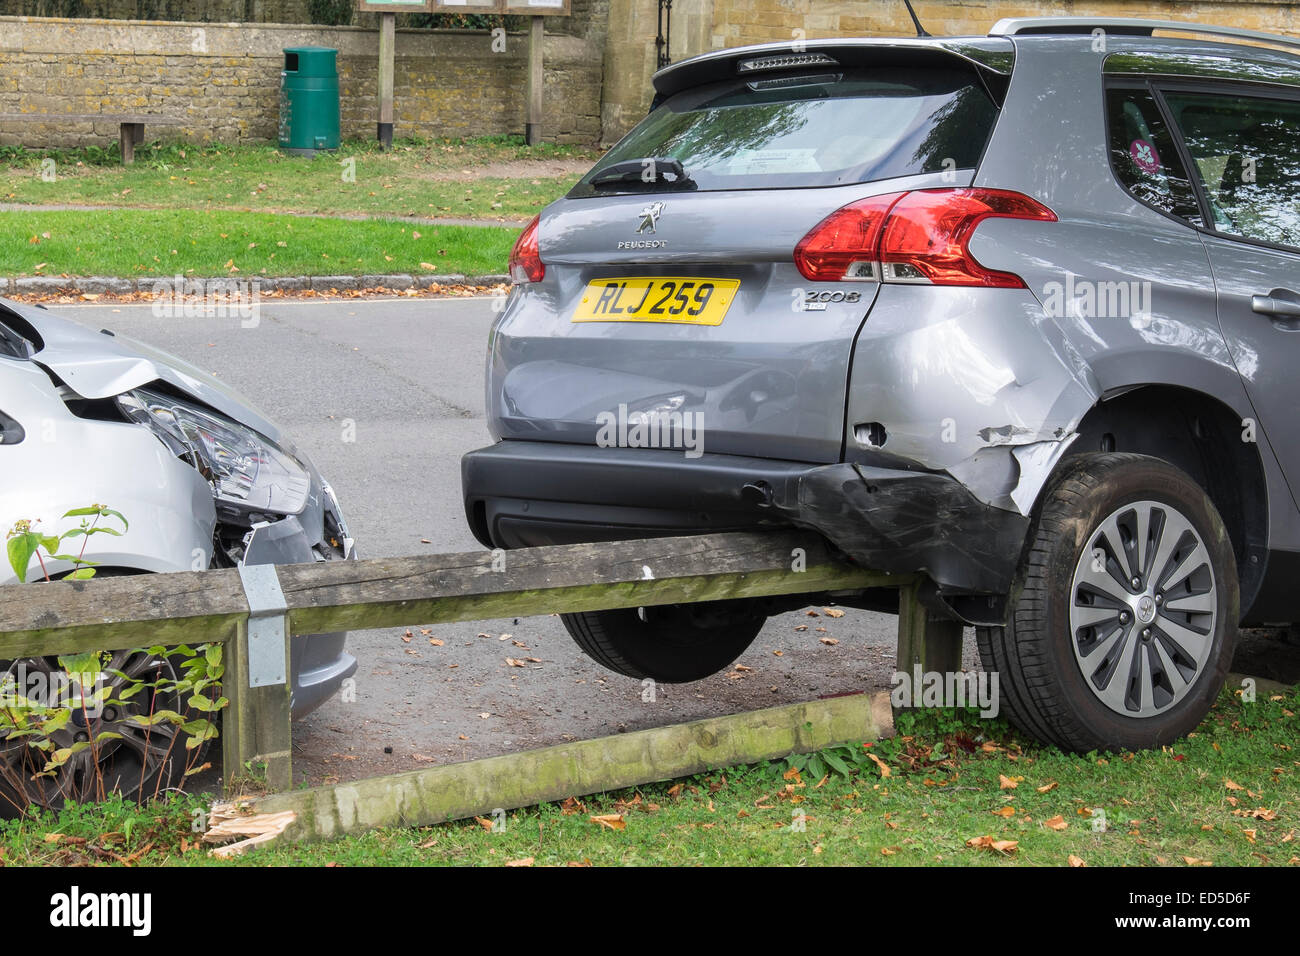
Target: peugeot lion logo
(650, 218)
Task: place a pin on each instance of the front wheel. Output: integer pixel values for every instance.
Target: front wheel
(674, 644)
(1123, 615)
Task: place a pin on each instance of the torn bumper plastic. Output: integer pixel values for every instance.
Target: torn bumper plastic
(905, 521)
(320, 664)
(527, 494)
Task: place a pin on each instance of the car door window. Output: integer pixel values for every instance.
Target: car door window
(1247, 158)
(1143, 154)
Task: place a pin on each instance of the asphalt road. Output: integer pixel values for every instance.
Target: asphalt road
(386, 396)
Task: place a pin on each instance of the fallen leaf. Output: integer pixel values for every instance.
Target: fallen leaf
(987, 842)
(1056, 823)
(613, 821)
(832, 612)
(435, 642)
(1260, 813)
(484, 822)
(1048, 787)
(1075, 861)
(1007, 811)
(884, 767)
(1193, 861)
(1006, 783)
(829, 640)
(526, 861)
(1231, 785)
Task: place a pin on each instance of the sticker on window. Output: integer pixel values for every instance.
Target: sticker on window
(757, 162)
(1144, 156)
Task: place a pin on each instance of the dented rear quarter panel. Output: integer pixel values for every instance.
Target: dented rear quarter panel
(957, 374)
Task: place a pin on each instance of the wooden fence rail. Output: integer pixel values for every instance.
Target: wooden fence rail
(213, 606)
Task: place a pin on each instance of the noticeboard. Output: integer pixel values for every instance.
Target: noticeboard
(394, 6)
(545, 8)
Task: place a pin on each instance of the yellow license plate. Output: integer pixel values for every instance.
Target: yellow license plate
(657, 299)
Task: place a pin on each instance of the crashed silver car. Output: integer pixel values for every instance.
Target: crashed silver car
(1016, 312)
(204, 480)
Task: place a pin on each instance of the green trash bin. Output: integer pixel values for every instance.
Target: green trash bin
(309, 100)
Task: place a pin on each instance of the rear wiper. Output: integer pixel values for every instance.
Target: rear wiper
(649, 172)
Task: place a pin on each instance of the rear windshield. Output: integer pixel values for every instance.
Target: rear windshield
(851, 126)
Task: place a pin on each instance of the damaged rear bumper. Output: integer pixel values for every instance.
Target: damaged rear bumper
(526, 494)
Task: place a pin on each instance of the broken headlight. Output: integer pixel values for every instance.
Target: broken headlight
(245, 469)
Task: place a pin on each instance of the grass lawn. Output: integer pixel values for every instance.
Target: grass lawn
(136, 243)
(495, 178)
(1228, 795)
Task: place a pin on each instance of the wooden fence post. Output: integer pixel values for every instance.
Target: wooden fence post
(256, 724)
(387, 68)
(536, 77)
(934, 644)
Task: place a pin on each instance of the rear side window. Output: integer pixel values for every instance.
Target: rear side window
(1144, 157)
(853, 126)
(1247, 156)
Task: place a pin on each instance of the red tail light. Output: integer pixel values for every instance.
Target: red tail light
(921, 237)
(526, 257)
(846, 244)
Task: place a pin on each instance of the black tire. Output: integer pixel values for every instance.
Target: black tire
(1042, 654)
(673, 644)
(142, 763)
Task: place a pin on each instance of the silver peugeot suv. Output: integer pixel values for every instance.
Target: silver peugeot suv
(1017, 312)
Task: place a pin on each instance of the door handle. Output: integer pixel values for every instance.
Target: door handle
(1280, 303)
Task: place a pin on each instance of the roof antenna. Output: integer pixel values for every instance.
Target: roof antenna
(920, 30)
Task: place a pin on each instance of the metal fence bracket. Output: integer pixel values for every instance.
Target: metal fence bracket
(266, 625)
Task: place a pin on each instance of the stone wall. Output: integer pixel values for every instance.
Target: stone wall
(223, 79)
(206, 11)
(702, 25)
(246, 11)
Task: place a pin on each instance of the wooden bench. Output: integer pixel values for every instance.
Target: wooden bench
(131, 125)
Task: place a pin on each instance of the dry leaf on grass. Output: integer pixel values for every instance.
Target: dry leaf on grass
(884, 767)
(987, 842)
(1056, 823)
(1006, 783)
(1075, 861)
(1260, 813)
(613, 821)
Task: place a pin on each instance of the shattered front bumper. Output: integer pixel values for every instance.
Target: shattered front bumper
(319, 663)
(525, 494)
